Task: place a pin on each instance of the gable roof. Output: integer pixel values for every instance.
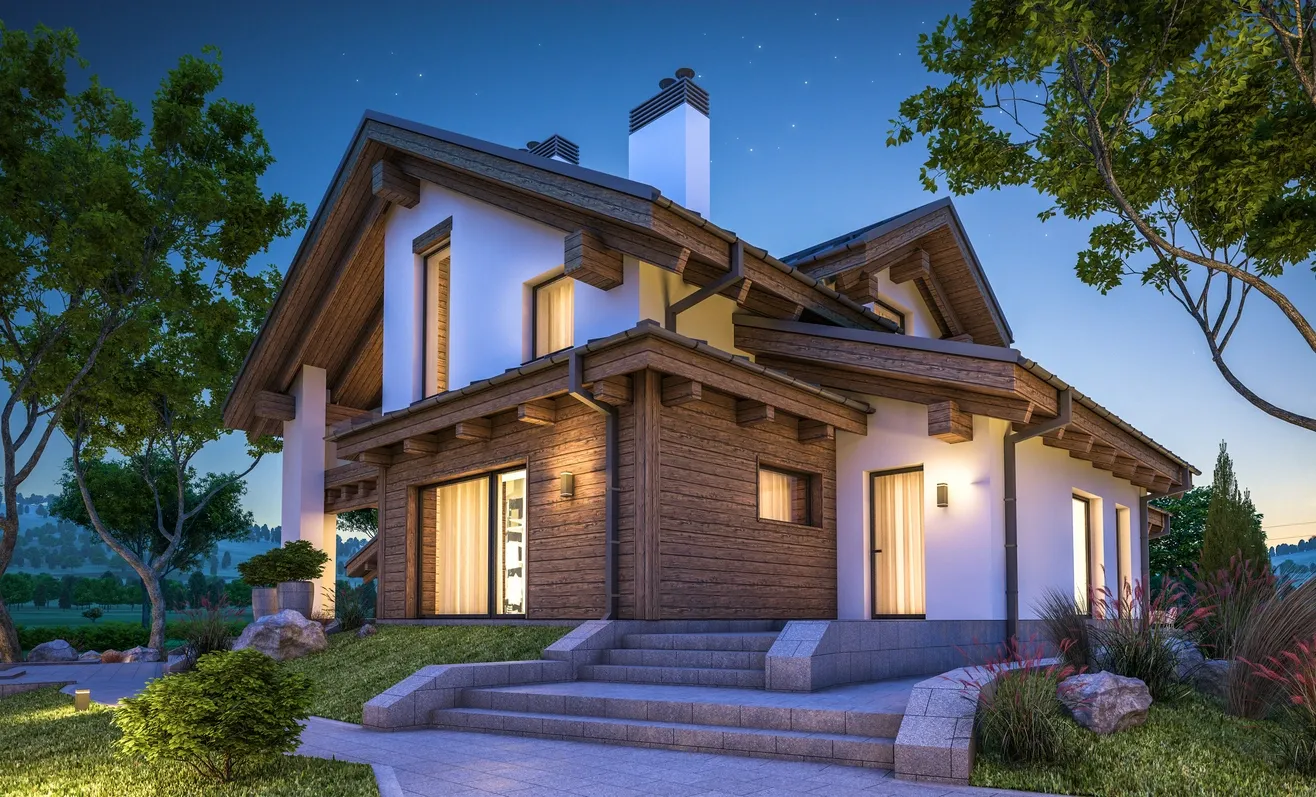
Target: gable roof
(974, 301)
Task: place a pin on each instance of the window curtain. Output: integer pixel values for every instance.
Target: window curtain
(774, 495)
(554, 316)
(463, 548)
(898, 583)
(1082, 553)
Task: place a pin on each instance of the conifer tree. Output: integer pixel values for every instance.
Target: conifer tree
(1233, 527)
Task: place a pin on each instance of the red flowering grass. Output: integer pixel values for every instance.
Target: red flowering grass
(1019, 716)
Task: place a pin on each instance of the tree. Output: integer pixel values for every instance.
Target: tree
(360, 522)
(228, 560)
(196, 588)
(1233, 527)
(66, 585)
(1181, 547)
(108, 228)
(1186, 130)
(44, 588)
(16, 588)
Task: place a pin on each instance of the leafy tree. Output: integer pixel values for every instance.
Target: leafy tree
(1185, 131)
(16, 588)
(44, 588)
(1233, 526)
(238, 592)
(196, 588)
(66, 585)
(1180, 548)
(362, 522)
(93, 614)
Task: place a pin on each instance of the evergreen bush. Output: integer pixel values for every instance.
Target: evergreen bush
(297, 560)
(236, 708)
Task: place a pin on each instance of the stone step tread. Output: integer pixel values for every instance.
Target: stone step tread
(876, 750)
(720, 659)
(694, 676)
(758, 641)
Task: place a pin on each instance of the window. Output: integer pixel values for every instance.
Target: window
(1083, 554)
(1124, 552)
(899, 586)
(479, 545)
(553, 316)
(889, 312)
(784, 496)
(435, 347)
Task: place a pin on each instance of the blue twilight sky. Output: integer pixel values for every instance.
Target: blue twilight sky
(801, 98)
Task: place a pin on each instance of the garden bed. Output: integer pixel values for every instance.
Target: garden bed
(353, 670)
(48, 748)
(1190, 747)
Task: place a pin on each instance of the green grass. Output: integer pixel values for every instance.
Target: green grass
(31, 617)
(46, 748)
(354, 670)
(1187, 748)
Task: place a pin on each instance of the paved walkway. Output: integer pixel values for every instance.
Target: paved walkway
(428, 762)
(107, 682)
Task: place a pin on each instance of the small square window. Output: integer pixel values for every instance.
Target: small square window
(784, 496)
(554, 318)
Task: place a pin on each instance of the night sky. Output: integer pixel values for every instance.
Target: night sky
(801, 98)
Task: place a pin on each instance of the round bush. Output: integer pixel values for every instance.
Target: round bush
(298, 560)
(234, 708)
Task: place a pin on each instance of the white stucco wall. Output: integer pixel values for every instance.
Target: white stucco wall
(495, 255)
(963, 542)
(710, 320)
(905, 297)
(1048, 480)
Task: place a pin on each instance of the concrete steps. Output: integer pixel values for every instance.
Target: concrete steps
(715, 658)
(721, 659)
(759, 641)
(792, 745)
(686, 676)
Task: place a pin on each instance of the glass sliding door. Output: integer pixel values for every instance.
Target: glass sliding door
(897, 543)
(479, 552)
(510, 543)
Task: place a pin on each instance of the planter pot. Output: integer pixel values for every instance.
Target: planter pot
(264, 602)
(298, 596)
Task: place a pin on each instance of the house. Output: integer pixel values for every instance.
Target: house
(573, 396)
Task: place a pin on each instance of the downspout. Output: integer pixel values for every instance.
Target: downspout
(576, 389)
(735, 273)
(1065, 414)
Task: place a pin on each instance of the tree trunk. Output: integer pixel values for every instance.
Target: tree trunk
(10, 651)
(146, 602)
(156, 595)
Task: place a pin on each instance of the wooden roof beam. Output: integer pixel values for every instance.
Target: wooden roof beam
(588, 259)
(914, 266)
(614, 390)
(814, 431)
(678, 391)
(275, 406)
(421, 445)
(754, 413)
(390, 183)
(948, 422)
(480, 429)
(541, 412)
(1069, 440)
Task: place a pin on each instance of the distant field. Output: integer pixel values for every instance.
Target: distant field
(31, 617)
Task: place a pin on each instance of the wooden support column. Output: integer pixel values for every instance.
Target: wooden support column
(648, 394)
(946, 421)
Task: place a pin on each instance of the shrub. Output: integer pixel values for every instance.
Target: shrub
(235, 708)
(350, 607)
(209, 628)
(297, 560)
(1137, 640)
(1019, 716)
(93, 614)
(119, 636)
(1272, 628)
(1066, 626)
(1225, 599)
(1294, 673)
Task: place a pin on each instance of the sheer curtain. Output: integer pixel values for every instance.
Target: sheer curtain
(436, 322)
(898, 578)
(774, 495)
(463, 548)
(554, 316)
(1082, 552)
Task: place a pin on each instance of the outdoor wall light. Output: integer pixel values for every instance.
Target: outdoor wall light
(566, 484)
(943, 494)
(81, 699)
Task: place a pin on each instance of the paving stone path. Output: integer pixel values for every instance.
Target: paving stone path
(107, 682)
(421, 763)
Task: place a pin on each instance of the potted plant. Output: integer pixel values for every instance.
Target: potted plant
(289, 569)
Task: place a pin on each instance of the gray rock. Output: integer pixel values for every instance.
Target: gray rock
(54, 650)
(366, 630)
(1187, 658)
(333, 627)
(140, 654)
(1212, 678)
(283, 636)
(91, 655)
(1104, 702)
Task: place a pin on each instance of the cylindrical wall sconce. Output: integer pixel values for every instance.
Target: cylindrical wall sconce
(943, 494)
(81, 699)
(566, 483)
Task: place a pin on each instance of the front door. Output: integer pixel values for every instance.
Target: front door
(896, 531)
(479, 529)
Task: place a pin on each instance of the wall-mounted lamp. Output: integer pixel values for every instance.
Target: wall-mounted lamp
(943, 494)
(566, 484)
(81, 699)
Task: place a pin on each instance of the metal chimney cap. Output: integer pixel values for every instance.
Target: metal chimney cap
(665, 82)
(531, 144)
(685, 72)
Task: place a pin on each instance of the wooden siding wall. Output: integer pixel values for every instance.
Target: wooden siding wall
(565, 548)
(718, 560)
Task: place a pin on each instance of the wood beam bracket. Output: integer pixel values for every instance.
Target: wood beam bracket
(391, 184)
(615, 390)
(754, 413)
(915, 266)
(541, 412)
(275, 406)
(423, 445)
(678, 391)
(475, 429)
(810, 431)
(946, 421)
(588, 259)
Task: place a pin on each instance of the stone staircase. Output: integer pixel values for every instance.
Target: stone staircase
(691, 691)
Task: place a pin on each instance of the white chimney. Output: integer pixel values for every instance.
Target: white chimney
(669, 142)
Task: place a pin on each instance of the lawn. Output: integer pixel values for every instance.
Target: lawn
(1188, 748)
(47, 748)
(354, 670)
(32, 617)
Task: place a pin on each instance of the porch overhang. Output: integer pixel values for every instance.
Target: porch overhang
(365, 562)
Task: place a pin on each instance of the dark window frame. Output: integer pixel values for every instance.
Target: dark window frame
(872, 545)
(1087, 547)
(812, 494)
(440, 246)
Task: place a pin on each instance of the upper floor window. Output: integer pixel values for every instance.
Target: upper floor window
(435, 345)
(554, 319)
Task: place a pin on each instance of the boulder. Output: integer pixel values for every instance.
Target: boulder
(1187, 658)
(366, 630)
(283, 636)
(54, 650)
(1212, 678)
(91, 655)
(140, 654)
(1104, 702)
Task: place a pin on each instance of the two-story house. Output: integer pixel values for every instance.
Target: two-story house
(572, 395)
